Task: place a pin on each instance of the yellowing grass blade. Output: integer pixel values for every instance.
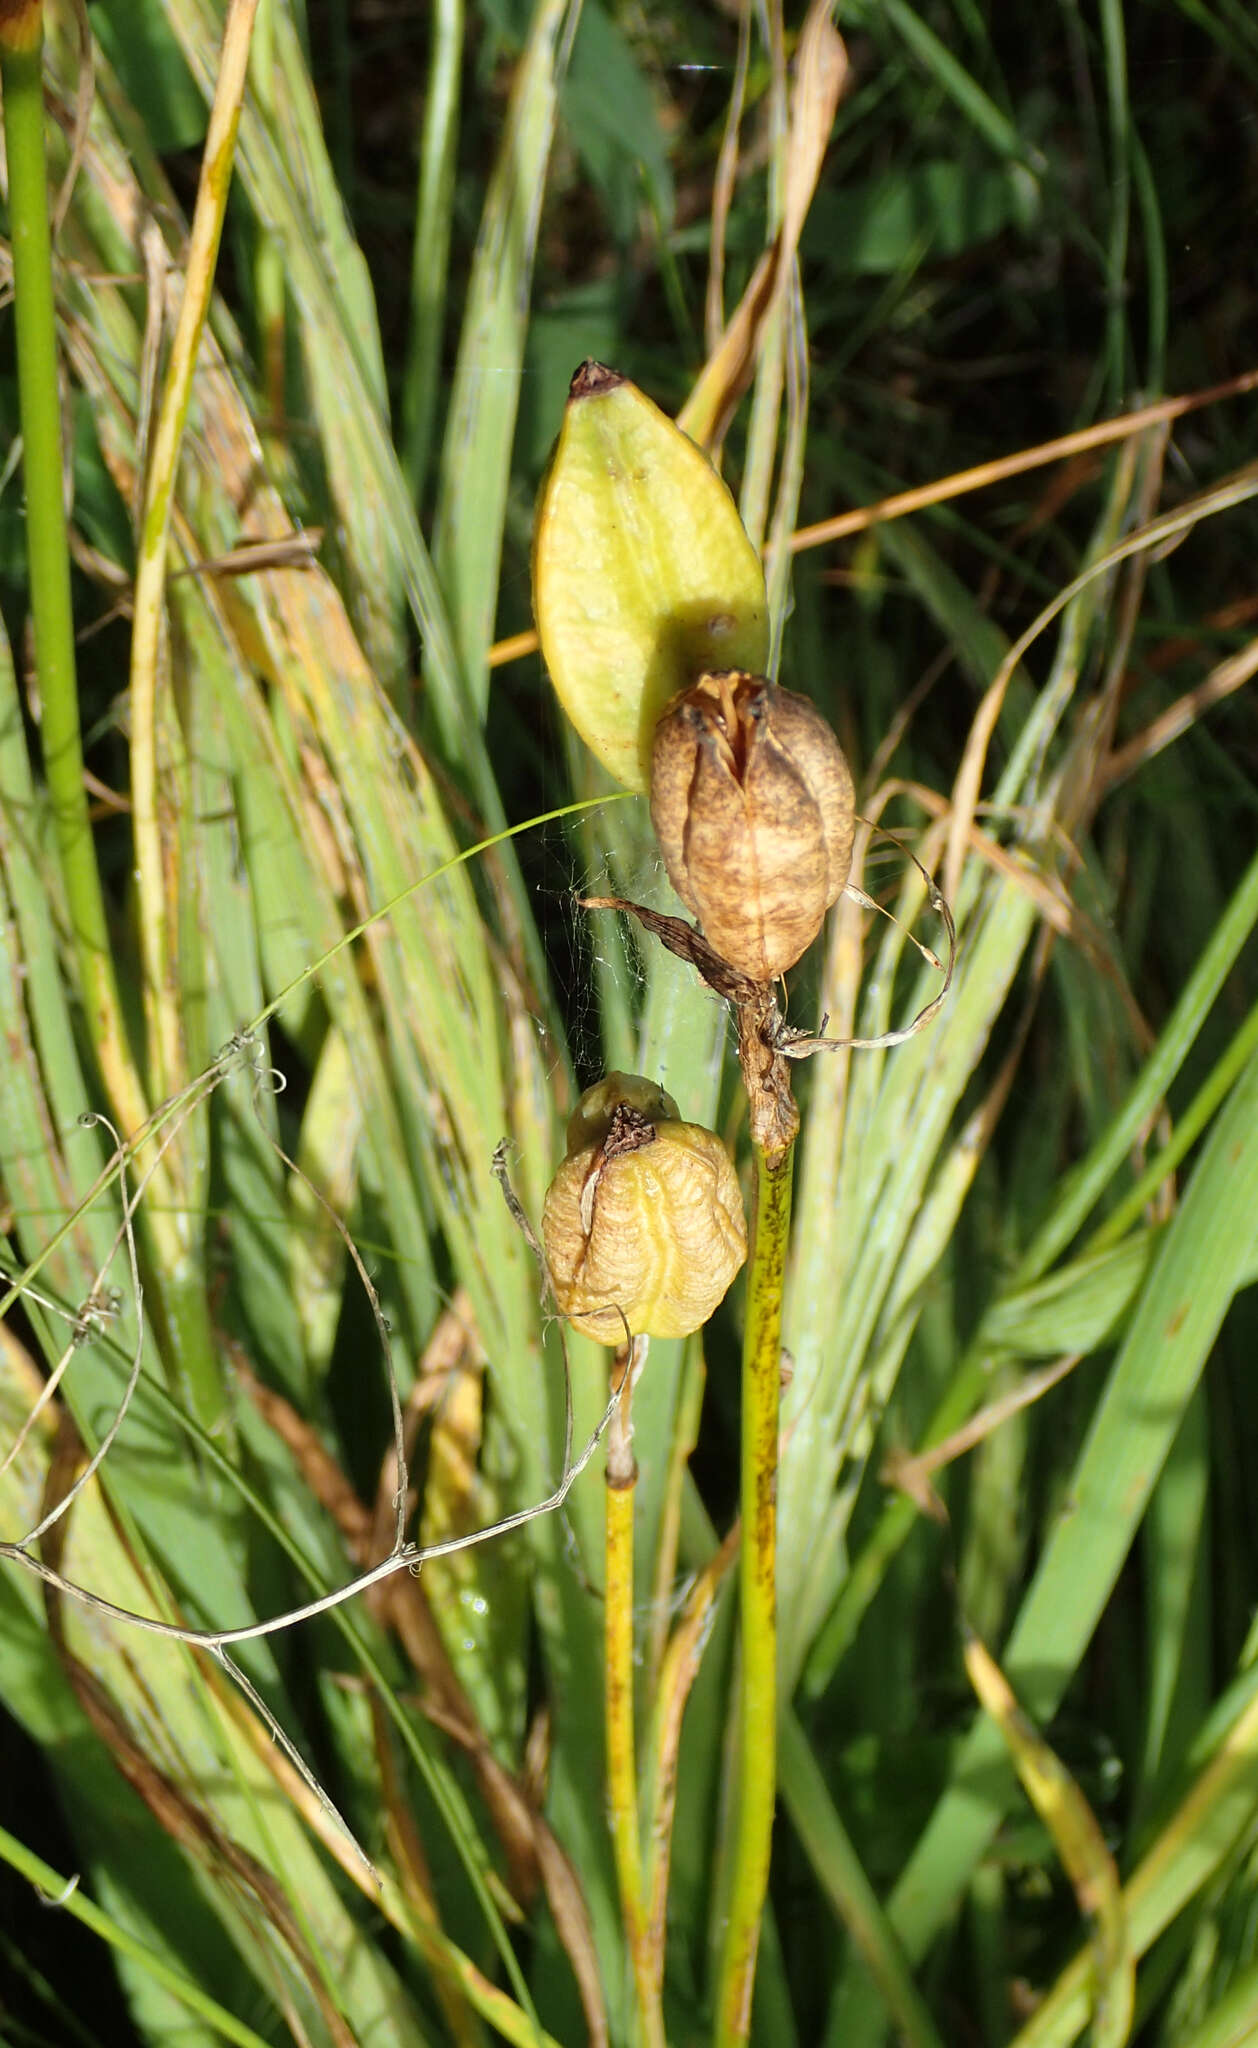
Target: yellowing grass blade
(1078, 1841)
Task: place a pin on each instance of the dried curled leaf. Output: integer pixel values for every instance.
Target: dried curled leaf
(643, 1223)
(752, 804)
(643, 575)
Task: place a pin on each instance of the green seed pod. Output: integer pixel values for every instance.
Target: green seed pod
(751, 800)
(643, 575)
(643, 1224)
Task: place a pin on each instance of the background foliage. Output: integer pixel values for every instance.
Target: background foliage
(1028, 219)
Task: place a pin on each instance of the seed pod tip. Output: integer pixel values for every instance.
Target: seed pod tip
(592, 378)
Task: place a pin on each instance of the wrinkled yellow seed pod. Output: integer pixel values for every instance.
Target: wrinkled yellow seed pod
(751, 800)
(643, 1224)
(643, 575)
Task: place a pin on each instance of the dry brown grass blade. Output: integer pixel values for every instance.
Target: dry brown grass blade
(513, 648)
(1082, 784)
(1047, 894)
(1225, 618)
(495, 2005)
(1058, 910)
(191, 1826)
(407, 1848)
(317, 1466)
(517, 1819)
(678, 1672)
(1102, 435)
(572, 1924)
(820, 72)
(532, 1851)
(1227, 675)
(962, 481)
(969, 778)
(1155, 533)
(297, 552)
(83, 92)
(723, 183)
(912, 1475)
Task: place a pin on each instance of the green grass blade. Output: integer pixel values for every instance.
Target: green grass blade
(190, 1997)
(838, 1870)
(484, 397)
(978, 108)
(1201, 1262)
(431, 252)
(1086, 1184)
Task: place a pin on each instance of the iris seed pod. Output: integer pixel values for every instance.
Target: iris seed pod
(751, 800)
(643, 575)
(643, 1224)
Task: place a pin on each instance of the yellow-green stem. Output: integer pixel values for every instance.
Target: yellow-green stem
(178, 1221)
(48, 555)
(156, 868)
(757, 1735)
(618, 1708)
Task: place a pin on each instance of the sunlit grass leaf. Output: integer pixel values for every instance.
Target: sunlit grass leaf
(1201, 1262)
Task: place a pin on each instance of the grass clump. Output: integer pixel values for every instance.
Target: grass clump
(300, 927)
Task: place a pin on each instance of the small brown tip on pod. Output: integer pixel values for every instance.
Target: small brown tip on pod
(752, 804)
(643, 1224)
(592, 378)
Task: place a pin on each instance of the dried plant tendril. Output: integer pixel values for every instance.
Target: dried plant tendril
(752, 804)
(643, 1224)
(643, 575)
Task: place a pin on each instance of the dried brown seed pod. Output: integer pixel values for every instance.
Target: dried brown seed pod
(752, 803)
(643, 1224)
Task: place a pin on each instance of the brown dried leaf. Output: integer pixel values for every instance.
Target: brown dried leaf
(532, 1852)
(677, 1675)
(820, 72)
(190, 1825)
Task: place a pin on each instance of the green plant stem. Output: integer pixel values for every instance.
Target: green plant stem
(622, 1770)
(48, 556)
(757, 1742)
(622, 1780)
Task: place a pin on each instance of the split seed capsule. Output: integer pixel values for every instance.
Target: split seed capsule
(643, 1224)
(752, 804)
